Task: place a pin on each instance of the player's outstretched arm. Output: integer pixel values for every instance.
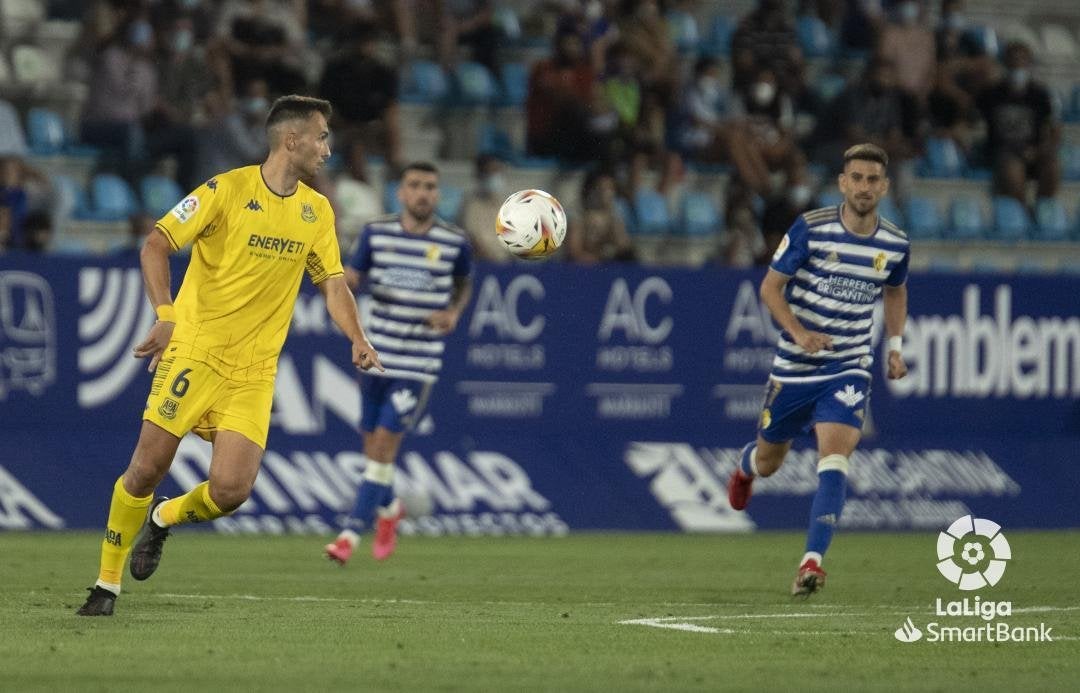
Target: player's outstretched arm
(341, 306)
(772, 295)
(154, 258)
(895, 301)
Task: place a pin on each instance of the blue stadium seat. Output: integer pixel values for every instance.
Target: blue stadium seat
(942, 159)
(111, 198)
(514, 84)
(717, 42)
(46, 131)
(451, 200)
(507, 20)
(1070, 161)
(698, 214)
(984, 38)
(829, 198)
(626, 213)
(1011, 220)
(491, 140)
(888, 209)
(423, 81)
(684, 31)
(390, 200)
(651, 212)
(159, 194)
(70, 197)
(966, 219)
(473, 85)
(1051, 220)
(923, 218)
(12, 137)
(1072, 106)
(815, 39)
(828, 86)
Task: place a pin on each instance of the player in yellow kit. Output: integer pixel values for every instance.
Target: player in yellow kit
(255, 231)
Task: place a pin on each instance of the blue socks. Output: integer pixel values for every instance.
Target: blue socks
(828, 503)
(368, 498)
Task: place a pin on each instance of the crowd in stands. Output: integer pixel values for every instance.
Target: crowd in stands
(635, 96)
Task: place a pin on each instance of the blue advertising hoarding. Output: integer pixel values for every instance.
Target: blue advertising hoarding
(573, 398)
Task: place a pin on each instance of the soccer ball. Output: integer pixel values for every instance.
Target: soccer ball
(531, 223)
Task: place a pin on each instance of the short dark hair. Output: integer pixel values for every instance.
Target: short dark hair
(425, 166)
(866, 152)
(296, 106)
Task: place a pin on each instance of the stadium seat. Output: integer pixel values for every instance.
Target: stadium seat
(19, 16)
(717, 42)
(451, 200)
(966, 219)
(423, 81)
(5, 70)
(159, 194)
(828, 86)
(698, 214)
(33, 65)
(495, 142)
(46, 131)
(69, 197)
(814, 37)
(684, 31)
(923, 218)
(473, 85)
(1018, 31)
(507, 21)
(942, 159)
(12, 137)
(829, 198)
(888, 209)
(514, 84)
(390, 200)
(1070, 161)
(651, 212)
(111, 198)
(984, 38)
(1051, 220)
(626, 213)
(1011, 220)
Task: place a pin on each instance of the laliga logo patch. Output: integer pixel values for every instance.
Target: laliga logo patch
(972, 553)
(186, 208)
(784, 243)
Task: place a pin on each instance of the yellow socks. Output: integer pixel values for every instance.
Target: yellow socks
(194, 506)
(126, 516)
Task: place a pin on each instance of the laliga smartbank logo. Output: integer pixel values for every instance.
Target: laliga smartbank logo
(972, 554)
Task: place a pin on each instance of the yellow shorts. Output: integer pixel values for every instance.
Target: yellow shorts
(188, 395)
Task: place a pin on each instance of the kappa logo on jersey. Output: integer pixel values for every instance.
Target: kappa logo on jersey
(308, 214)
(404, 401)
(849, 396)
(253, 205)
(212, 184)
(186, 208)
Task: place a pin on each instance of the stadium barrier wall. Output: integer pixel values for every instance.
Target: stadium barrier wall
(573, 398)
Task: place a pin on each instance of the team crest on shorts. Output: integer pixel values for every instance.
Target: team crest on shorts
(308, 214)
(168, 408)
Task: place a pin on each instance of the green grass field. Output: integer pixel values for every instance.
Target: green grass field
(510, 614)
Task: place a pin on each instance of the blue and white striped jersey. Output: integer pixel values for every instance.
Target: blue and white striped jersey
(836, 278)
(410, 276)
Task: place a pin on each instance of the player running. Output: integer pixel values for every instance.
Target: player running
(418, 269)
(255, 231)
(821, 288)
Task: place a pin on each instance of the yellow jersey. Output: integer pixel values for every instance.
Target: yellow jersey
(250, 249)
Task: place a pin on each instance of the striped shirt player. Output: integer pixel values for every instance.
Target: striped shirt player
(417, 269)
(822, 285)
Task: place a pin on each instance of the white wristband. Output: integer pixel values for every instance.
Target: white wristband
(896, 344)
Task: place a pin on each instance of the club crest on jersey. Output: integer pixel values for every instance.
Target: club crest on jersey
(186, 208)
(308, 214)
(168, 408)
(432, 253)
(879, 262)
(833, 257)
(766, 418)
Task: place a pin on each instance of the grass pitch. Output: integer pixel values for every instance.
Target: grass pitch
(590, 612)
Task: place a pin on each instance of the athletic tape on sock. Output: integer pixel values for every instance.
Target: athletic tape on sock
(837, 463)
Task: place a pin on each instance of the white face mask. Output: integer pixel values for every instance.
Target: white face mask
(762, 93)
(709, 88)
(183, 40)
(908, 12)
(1019, 78)
(593, 10)
(255, 105)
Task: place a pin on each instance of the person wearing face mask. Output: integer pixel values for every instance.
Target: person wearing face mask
(189, 86)
(598, 234)
(1022, 132)
(238, 139)
(482, 206)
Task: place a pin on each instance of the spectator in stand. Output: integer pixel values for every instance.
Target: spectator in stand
(369, 114)
(356, 201)
(645, 34)
(907, 42)
(1022, 131)
(598, 234)
(470, 22)
(876, 110)
(764, 121)
(862, 20)
(559, 101)
(191, 86)
(238, 138)
(264, 39)
(965, 69)
(766, 38)
(482, 206)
